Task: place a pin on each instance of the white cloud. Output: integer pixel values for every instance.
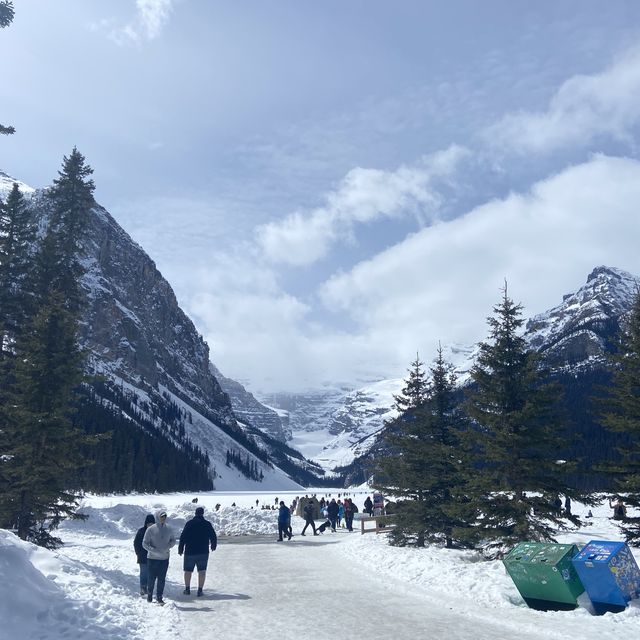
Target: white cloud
(583, 108)
(364, 195)
(150, 19)
(441, 283)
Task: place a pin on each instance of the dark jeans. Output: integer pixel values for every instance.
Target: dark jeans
(283, 530)
(307, 523)
(348, 520)
(157, 569)
(144, 576)
(334, 522)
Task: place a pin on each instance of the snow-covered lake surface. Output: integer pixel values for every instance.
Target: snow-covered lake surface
(333, 585)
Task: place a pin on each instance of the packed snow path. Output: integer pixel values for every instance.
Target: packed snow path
(257, 588)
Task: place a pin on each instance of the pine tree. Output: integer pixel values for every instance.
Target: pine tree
(17, 234)
(622, 415)
(6, 18)
(518, 432)
(426, 474)
(43, 445)
(72, 199)
(6, 13)
(41, 449)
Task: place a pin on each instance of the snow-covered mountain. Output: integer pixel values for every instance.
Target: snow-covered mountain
(142, 343)
(336, 427)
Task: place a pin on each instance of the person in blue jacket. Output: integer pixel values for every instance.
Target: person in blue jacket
(284, 521)
(197, 537)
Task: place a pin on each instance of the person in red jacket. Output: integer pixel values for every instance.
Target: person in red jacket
(198, 536)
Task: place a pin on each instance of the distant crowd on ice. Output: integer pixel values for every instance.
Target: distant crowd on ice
(155, 539)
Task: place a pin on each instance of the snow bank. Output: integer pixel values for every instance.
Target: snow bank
(46, 595)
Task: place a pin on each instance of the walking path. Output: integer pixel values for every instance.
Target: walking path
(257, 588)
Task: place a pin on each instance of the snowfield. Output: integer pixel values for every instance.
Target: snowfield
(336, 583)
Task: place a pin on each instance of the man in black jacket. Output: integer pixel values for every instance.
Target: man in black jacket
(197, 537)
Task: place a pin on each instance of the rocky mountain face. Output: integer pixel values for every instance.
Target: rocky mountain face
(578, 332)
(140, 341)
(248, 409)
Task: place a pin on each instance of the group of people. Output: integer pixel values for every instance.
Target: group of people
(153, 543)
(333, 512)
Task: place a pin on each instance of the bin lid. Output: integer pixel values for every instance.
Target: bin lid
(599, 551)
(539, 552)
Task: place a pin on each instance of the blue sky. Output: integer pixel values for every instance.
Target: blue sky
(332, 186)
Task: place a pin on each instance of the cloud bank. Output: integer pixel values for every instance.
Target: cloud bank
(363, 196)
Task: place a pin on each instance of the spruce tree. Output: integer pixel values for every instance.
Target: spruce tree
(622, 415)
(424, 471)
(517, 433)
(17, 234)
(41, 449)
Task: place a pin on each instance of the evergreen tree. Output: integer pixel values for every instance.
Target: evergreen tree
(42, 446)
(427, 471)
(6, 13)
(6, 18)
(518, 432)
(622, 415)
(17, 234)
(41, 449)
(59, 268)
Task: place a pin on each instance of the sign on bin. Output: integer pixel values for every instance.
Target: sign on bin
(609, 573)
(544, 575)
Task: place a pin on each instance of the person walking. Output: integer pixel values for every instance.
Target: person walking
(332, 513)
(141, 553)
(349, 510)
(307, 512)
(619, 510)
(197, 537)
(284, 521)
(158, 540)
(368, 506)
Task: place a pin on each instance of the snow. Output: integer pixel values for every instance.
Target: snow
(257, 588)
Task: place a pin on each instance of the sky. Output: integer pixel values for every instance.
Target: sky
(331, 187)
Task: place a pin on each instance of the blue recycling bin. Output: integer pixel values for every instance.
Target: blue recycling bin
(609, 574)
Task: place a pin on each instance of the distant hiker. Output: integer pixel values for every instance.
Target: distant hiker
(141, 553)
(368, 506)
(284, 521)
(307, 513)
(557, 504)
(158, 540)
(619, 510)
(340, 513)
(590, 514)
(332, 512)
(195, 500)
(567, 506)
(197, 537)
(257, 502)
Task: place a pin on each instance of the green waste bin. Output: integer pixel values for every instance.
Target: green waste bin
(544, 574)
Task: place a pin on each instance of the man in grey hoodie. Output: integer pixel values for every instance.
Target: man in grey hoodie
(158, 540)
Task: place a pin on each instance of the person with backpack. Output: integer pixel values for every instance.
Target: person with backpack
(158, 540)
(197, 537)
(141, 553)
